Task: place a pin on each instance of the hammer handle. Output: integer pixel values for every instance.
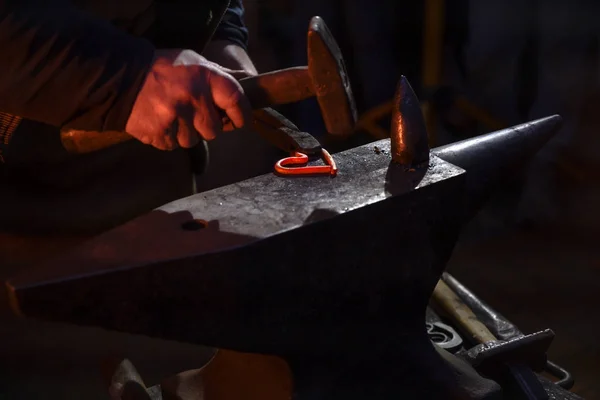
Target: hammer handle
(455, 308)
(265, 90)
(278, 87)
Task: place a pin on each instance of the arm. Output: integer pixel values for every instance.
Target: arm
(65, 68)
(229, 44)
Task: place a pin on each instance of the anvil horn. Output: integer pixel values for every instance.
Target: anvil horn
(491, 158)
(488, 158)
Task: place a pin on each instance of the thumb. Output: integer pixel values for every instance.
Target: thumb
(236, 73)
(239, 74)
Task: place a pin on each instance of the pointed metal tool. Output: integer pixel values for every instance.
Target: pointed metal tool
(408, 136)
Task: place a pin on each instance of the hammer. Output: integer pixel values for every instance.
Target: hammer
(325, 77)
(510, 361)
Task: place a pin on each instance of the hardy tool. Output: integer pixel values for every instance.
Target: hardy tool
(509, 361)
(504, 329)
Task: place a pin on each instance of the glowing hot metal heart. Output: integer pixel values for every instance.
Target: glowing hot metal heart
(301, 160)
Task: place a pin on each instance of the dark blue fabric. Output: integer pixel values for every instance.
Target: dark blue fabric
(72, 64)
(67, 68)
(232, 27)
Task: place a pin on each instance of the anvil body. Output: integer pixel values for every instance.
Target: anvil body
(287, 266)
(332, 274)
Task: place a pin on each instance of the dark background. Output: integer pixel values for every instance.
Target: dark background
(533, 253)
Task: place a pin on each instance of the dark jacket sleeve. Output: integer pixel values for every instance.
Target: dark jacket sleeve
(232, 26)
(63, 67)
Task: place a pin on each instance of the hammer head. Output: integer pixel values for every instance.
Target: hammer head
(526, 349)
(330, 79)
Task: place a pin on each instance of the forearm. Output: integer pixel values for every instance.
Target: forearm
(229, 55)
(65, 68)
(230, 42)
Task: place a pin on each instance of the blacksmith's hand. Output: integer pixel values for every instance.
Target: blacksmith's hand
(180, 100)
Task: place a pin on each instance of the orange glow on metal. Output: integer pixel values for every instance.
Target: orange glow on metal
(300, 160)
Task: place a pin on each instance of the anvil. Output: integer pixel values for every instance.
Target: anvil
(313, 269)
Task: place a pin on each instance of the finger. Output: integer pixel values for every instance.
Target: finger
(236, 73)
(167, 140)
(228, 95)
(206, 119)
(239, 74)
(228, 126)
(187, 136)
(146, 139)
(150, 128)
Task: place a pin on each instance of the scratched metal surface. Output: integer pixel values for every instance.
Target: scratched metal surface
(267, 205)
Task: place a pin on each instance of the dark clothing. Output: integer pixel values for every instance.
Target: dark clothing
(79, 64)
(232, 25)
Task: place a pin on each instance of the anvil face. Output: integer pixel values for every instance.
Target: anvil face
(308, 265)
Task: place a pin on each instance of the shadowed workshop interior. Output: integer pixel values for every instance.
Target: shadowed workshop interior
(477, 66)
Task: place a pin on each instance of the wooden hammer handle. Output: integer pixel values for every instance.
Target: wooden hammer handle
(273, 88)
(450, 304)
